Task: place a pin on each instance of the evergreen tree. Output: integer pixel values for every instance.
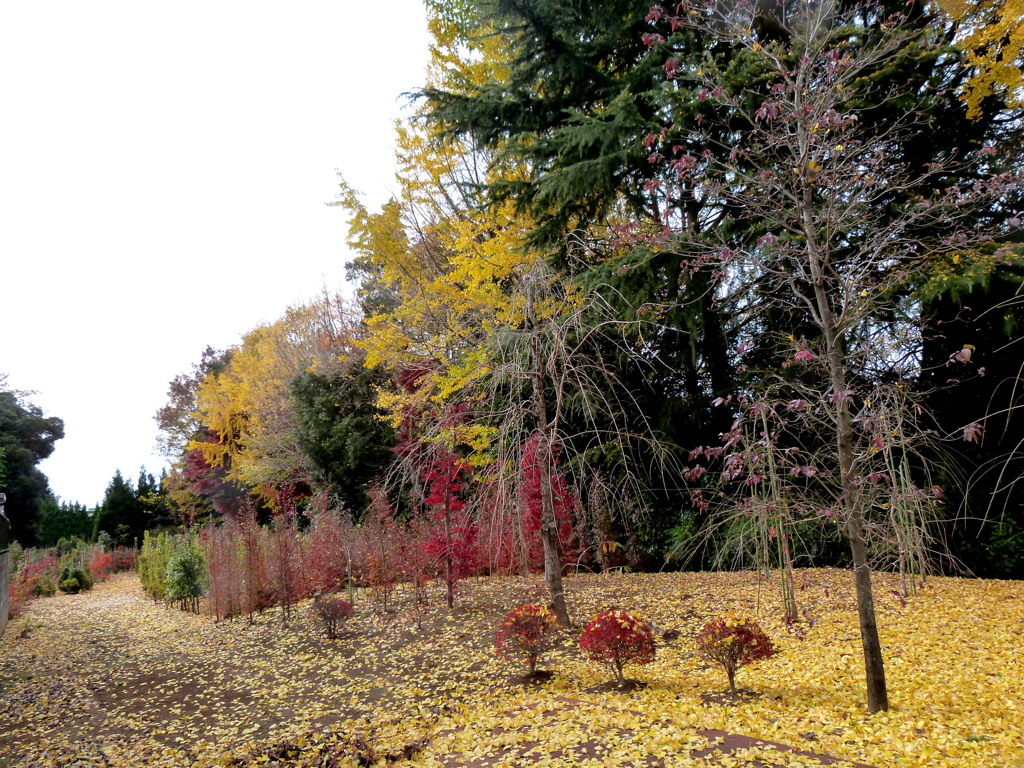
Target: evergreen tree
(341, 430)
(121, 514)
(27, 437)
(62, 520)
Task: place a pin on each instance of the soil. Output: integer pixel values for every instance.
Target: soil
(108, 678)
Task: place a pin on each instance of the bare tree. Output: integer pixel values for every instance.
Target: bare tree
(844, 223)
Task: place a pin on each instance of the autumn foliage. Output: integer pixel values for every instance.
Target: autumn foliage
(525, 632)
(733, 643)
(100, 566)
(617, 638)
(333, 612)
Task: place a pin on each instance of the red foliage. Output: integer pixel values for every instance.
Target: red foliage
(525, 631)
(732, 643)
(327, 547)
(419, 565)
(123, 559)
(211, 482)
(286, 563)
(453, 533)
(28, 583)
(531, 501)
(501, 534)
(617, 638)
(223, 546)
(381, 537)
(100, 566)
(333, 612)
(19, 594)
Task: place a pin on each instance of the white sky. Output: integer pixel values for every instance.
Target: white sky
(163, 174)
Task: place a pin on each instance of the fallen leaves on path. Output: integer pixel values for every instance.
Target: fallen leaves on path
(108, 678)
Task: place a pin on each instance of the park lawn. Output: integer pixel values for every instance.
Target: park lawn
(109, 678)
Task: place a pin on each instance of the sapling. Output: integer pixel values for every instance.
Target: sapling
(617, 638)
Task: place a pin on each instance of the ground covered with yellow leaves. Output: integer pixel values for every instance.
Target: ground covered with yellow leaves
(107, 678)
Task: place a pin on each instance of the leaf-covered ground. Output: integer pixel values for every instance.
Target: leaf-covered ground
(108, 678)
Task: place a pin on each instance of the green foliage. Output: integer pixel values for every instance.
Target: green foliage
(71, 586)
(72, 571)
(45, 587)
(27, 437)
(157, 549)
(127, 510)
(342, 431)
(185, 579)
(62, 520)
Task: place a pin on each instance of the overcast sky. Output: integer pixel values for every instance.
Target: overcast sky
(164, 169)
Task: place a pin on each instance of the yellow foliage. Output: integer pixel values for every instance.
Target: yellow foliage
(248, 405)
(992, 36)
(164, 688)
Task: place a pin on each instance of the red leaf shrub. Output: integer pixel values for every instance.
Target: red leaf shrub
(19, 594)
(124, 559)
(525, 631)
(333, 612)
(617, 638)
(100, 566)
(732, 643)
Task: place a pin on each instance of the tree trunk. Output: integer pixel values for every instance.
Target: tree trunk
(548, 521)
(853, 517)
(874, 667)
(549, 537)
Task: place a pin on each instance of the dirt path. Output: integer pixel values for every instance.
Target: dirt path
(108, 678)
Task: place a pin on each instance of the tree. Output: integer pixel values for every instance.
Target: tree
(992, 35)
(251, 436)
(121, 514)
(27, 436)
(341, 431)
(846, 217)
(62, 520)
(575, 95)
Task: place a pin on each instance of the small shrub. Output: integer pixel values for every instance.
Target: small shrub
(526, 631)
(70, 586)
(733, 643)
(76, 574)
(44, 587)
(100, 566)
(19, 595)
(333, 612)
(617, 638)
(123, 559)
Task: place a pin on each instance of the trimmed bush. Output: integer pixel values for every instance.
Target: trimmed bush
(617, 638)
(333, 612)
(733, 643)
(525, 632)
(78, 575)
